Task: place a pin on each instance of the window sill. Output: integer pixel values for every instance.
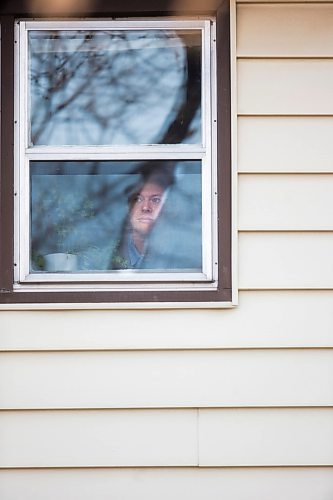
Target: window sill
(119, 306)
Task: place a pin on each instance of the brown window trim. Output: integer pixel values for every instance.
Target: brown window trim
(19, 8)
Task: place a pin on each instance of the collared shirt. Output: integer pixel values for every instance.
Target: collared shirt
(135, 257)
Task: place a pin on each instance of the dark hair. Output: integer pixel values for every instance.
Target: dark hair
(163, 175)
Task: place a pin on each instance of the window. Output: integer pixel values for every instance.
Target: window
(121, 180)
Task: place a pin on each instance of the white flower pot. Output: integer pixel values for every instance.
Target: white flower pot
(60, 262)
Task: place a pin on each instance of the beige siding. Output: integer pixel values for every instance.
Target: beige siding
(166, 484)
(222, 437)
(285, 202)
(285, 144)
(266, 436)
(233, 404)
(167, 379)
(286, 260)
(285, 30)
(285, 73)
(265, 318)
(98, 438)
(285, 86)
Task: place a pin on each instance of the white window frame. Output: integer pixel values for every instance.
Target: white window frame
(206, 153)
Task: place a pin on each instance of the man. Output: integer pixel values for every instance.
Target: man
(146, 201)
(145, 209)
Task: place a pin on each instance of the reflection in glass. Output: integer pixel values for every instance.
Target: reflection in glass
(116, 215)
(115, 87)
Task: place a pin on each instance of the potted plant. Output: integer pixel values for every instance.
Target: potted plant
(58, 230)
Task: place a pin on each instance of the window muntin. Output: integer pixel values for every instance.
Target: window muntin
(176, 149)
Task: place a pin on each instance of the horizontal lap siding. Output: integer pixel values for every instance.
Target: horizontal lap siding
(266, 437)
(166, 379)
(98, 438)
(285, 82)
(285, 30)
(285, 144)
(168, 408)
(166, 484)
(285, 86)
(286, 260)
(285, 202)
(263, 319)
(221, 437)
(285, 67)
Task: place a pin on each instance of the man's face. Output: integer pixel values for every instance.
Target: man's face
(146, 208)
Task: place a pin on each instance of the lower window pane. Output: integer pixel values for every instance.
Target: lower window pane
(93, 216)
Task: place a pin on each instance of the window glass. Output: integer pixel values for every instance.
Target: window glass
(115, 87)
(115, 215)
(115, 163)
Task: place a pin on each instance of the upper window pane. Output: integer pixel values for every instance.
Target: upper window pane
(115, 87)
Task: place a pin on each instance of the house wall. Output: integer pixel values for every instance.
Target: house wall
(217, 404)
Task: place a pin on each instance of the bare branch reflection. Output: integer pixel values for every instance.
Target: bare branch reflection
(115, 87)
